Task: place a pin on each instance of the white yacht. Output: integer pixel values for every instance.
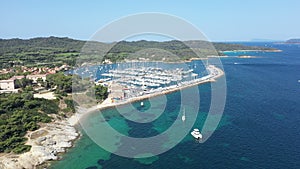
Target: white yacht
(196, 134)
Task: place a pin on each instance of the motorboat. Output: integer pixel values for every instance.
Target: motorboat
(196, 134)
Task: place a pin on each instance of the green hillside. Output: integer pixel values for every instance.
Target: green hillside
(53, 51)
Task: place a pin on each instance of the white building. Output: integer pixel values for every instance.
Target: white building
(7, 84)
(34, 78)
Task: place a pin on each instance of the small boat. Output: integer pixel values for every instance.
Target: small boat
(183, 116)
(142, 104)
(196, 134)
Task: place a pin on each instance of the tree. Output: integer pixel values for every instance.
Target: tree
(61, 82)
(22, 83)
(101, 92)
(40, 82)
(20, 113)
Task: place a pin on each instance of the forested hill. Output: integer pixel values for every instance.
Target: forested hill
(55, 50)
(40, 44)
(49, 50)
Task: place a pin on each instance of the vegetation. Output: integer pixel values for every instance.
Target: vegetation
(101, 92)
(70, 105)
(54, 51)
(20, 113)
(23, 83)
(168, 51)
(6, 75)
(50, 51)
(229, 47)
(98, 92)
(61, 83)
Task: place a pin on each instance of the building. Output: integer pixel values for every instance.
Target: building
(17, 77)
(7, 84)
(34, 78)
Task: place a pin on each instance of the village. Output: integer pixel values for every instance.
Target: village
(36, 74)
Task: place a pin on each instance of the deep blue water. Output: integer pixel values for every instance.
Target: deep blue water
(260, 127)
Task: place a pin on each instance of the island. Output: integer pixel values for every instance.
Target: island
(293, 41)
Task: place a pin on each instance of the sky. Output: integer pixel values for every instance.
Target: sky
(219, 20)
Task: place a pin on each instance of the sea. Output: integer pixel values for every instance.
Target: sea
(259, 128)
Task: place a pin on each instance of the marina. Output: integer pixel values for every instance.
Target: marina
(123, 93)
(133, 82)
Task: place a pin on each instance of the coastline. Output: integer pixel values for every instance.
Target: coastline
(271, 50)
(52, 139)
(246, 57)
(47, 143)
(74, 120)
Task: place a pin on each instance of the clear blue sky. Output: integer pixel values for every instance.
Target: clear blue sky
(225, 20)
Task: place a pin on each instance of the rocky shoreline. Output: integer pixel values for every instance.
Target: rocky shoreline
(47, 142)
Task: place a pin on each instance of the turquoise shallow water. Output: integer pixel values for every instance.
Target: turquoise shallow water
(259, 127)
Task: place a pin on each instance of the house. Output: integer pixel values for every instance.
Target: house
(7, 84)
(34, 78)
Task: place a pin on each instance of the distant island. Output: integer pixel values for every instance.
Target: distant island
(56, 51)
(293, 41)
(264, 40)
